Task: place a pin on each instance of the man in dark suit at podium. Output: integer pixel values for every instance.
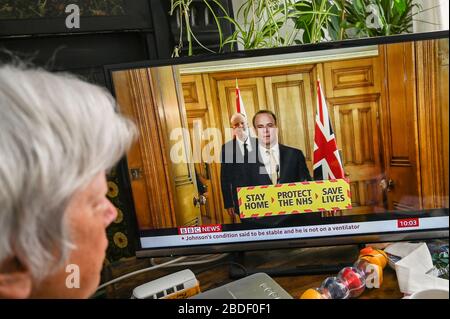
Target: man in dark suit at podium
(237, 157)
(276, 163)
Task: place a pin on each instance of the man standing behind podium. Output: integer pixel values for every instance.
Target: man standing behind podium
(237, 156)
(277, 163)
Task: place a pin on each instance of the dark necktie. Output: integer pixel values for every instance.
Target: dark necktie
(245, 152)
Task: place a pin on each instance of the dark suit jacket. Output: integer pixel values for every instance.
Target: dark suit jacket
(234, 172)
(292, 168)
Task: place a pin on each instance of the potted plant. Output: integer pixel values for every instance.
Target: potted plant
(371, 18)
(274, 23)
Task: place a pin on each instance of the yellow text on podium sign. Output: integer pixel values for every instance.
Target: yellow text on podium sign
(294, 198)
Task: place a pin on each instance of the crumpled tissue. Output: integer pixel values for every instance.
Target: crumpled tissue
(412, 269)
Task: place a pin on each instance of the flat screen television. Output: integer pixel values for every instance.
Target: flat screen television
(387, 103)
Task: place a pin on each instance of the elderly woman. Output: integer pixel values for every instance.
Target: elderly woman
(58, 136)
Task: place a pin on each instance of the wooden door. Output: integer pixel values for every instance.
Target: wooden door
(167, 85)
(163, 188)
(401, 181)
(357, 133)
(353, 95)
(291, 98)
(149, 175)
(253, 97)
(199, 120)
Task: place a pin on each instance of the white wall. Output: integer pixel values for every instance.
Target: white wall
(434, 16)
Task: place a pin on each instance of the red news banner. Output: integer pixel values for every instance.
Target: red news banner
(294, 198)
(408, 222)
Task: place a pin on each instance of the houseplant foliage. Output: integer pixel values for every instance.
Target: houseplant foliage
(318, 20)
(264, 24)
(275, 23)
(371, 18)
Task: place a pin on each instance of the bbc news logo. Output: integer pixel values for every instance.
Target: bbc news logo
(199, 229)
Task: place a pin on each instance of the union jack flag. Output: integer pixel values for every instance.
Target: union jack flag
(239, 104)
(327, 162)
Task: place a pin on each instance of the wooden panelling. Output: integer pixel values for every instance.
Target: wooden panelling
(190, 93)
(402, 119)
(433, 153)
(263, 72)
(367, 130)
(152, 194)
(353, 92)
(214, 121)
(290, 97)
(403, 206)
(163, 196)
(357, 134)
(167, 87)
(354, 190)
(281, 90)
(253, 97)
(399, 125)
(193, 92)
(352, 77)
(442, 80)
(200, 112)
(198, 122)
(358, 120)
(365, 197)
(372, 193)
(347, 135)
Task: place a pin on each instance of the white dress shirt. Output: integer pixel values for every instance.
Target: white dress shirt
(264, 154)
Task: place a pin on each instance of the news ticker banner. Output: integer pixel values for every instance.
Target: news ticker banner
(213, 234)
(294, 198)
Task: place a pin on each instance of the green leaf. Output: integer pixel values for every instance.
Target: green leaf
(217, 22)
(359, 6)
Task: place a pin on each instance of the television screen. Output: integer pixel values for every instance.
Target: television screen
(322, 144)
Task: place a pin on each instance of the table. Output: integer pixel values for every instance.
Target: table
(258, 261)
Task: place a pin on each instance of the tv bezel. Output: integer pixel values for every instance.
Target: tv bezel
(407, 235)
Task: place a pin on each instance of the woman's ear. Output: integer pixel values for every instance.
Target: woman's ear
(15, 280)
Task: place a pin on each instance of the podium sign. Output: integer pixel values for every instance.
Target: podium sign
(294, 198)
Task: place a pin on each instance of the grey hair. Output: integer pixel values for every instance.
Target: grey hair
(237, 114)
(57, 133)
